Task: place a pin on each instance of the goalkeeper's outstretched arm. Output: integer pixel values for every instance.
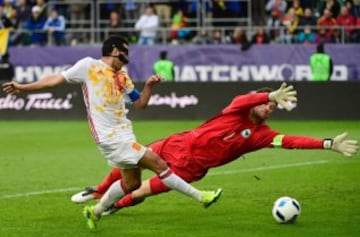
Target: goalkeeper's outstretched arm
(339, 143)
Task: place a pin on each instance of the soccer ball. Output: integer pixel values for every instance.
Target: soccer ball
(286, 210)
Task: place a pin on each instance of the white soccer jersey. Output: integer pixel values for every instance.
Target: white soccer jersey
(105, 92)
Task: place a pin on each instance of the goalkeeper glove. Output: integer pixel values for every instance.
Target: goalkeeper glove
(283, 95)
(341, 145)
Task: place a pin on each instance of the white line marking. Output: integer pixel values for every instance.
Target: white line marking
(63, 190)
(282, 166)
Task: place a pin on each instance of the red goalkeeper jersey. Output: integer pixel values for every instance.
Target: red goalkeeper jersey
(227, 136)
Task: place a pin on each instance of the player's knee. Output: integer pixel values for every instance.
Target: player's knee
(132, 185)
(161, 167)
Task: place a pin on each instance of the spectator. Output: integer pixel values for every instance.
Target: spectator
(290, 21)
(276, 9)
(9, 9)
(115, 24)
(23, 13)
(5, 22)
(322, 38)
(21, 16)
(354, 7)
(260, 37)
(55, 25)
(43, 8)
(164, 67)
(239, 37)
(333, 6)
(326, 23)
(321, 65)
(147, 24)
(307, 36)
(299, 11)
(348, 21)
(203, 38)
(217, 38)
(36, 25)
(308, 18)
(336, 37)
(178, 27)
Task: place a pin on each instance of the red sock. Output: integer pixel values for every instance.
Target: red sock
(128, 201)
(106, 183)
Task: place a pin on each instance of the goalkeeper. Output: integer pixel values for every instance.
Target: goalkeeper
(238, 129)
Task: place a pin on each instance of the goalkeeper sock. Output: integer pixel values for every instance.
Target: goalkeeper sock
(107, 182)
(127, 201)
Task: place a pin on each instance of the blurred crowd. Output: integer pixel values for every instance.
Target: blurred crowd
(64, 22)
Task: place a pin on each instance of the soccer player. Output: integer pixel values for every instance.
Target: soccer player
(238, 129)
(106, 86)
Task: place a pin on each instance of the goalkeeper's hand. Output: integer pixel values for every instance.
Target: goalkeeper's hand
(341, 145)
(283, 95)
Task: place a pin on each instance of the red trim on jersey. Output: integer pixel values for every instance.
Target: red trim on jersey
(90, 121)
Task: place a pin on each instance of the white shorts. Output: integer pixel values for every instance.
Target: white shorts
(123, 154)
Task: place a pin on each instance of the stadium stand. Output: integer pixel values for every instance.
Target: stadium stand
(90, 21)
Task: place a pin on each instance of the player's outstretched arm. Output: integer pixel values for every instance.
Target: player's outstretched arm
(49, 81)
(283, 95)
(143, 101)
(339, 143)
(342, 145)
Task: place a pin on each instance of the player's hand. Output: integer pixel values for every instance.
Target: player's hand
(343, 146)
(283, 95)
(12, 87)
(154, 79)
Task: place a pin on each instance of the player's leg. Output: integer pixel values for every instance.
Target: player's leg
(154, 186)
(131, 180)
(152, 161)
(114, 175)
(96, 193)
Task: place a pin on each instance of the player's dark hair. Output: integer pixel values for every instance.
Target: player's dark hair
(320, 48)
(264, 89)
(163, 54)
(112, 42)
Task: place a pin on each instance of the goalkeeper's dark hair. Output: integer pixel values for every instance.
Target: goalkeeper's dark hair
(264, 89)
(114, 41)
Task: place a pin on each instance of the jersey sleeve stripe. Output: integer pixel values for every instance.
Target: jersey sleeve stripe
(277, 141)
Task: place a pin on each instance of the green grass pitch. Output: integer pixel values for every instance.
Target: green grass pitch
(43, 163)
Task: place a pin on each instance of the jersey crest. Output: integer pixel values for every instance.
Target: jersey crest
(246, 133)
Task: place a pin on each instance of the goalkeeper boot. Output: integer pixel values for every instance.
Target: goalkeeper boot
(91, 218)
(86, 195)
(210, 197)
